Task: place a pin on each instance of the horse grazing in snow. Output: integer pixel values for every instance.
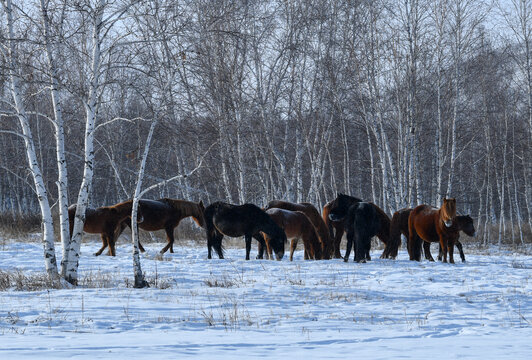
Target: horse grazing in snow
(241, 220)
(296, 225)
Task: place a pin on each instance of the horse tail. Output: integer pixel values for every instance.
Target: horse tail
(327, 221)
(214, 237)
(395, 234)
(317, 248)
(414, 242)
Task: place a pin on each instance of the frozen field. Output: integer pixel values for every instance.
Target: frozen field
(234, 308)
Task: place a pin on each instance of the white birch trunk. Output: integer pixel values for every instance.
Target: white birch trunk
(42, 196)
(71, 274)
(62, 182)
(140, 282)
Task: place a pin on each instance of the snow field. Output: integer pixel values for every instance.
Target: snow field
(234, 308)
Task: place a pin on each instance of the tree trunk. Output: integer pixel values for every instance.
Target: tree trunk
(50, 261)
(91, 105)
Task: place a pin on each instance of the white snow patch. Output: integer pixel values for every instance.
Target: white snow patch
(234, 308)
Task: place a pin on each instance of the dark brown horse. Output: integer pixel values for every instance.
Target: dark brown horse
(336, 228)
(241, 220)
(105, 221)
(339, 209)
(314, 216)
(461, 223)
(166, 214)
(399, 226)
(426, 223)
(296, 225)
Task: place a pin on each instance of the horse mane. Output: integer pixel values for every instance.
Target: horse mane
(123, 206)
(187, 208)
(351, 198)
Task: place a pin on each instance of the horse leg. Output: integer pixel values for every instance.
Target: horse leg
(209, 246)
(263, 244)
(412, 238)
(460, 249)
(218, 245)
(443, 244)
(170, 240)
(104, 245)
(350, 239)
(451, 251)
(260, 254)
(293, 245)
(360, 249)
(426, 249)
(337, 241)
(111, 242)
(417, 249)
(248, 245)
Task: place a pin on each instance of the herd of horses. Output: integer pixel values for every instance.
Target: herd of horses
(279, 221)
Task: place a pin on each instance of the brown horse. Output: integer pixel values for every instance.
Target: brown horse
(106, 221)
(339, 208)
(336, 229)
(429, 224)
(399, 226)
(315, 218)
(296, 225)
(166, 214)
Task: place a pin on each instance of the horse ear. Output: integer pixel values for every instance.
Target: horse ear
(201, 203)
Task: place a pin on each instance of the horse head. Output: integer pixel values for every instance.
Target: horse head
(199, 218)
(277, 241)
(468, 226)
(448, 212)
(340, 206)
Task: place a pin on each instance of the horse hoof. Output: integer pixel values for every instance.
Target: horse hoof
(346, 260)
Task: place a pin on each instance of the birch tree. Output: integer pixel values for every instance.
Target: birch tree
(62, 182)
(100, 26)
(9, 51)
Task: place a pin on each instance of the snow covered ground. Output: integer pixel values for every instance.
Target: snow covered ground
(234, 308)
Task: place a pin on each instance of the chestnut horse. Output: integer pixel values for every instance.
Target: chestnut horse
(314, 217)
(426, 223)
(241, 220)
(338, 210)
(296, 225)
(399, 226)
(106, 221)
(166, 214)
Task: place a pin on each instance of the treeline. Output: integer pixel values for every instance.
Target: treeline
(399, 103)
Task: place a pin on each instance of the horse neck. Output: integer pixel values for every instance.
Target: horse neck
(269, 227)
(461, 221)
(189, 208)
(124, 208)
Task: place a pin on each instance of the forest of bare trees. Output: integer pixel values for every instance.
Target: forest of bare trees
(396, 102)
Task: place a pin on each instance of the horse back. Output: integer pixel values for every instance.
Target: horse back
(424, 221)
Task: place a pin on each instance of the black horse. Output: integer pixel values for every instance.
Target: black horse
(361, 224)
(362, 221)
(241, 220)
